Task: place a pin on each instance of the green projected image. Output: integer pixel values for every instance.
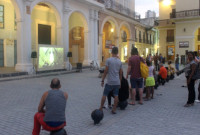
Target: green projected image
(50, 58)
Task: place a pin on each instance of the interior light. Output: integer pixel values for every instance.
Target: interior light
(166, 2)
(112, 30)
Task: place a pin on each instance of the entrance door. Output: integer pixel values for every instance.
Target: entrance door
(1, 53)
(75, 56)
(199, 50)
(171, 52)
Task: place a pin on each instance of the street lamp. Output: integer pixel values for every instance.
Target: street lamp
(112, 30)
(166, 2)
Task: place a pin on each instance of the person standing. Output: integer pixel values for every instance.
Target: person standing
(114, 71)
(156, 61)
(136, 78)
(53, 117)
(177, 62)
(150, 82)
(189, 72)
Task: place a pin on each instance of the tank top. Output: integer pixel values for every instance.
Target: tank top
(151, 71)
(55, 104)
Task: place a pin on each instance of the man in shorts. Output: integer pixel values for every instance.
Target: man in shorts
(136, 78)
(114, 71)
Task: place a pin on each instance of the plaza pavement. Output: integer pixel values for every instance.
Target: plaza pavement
(164, 115)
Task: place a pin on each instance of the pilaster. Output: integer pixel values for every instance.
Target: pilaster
(24, 44)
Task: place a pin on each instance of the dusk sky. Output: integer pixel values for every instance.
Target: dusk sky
(141, 6)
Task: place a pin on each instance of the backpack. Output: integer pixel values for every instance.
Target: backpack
(197, 72)
(144, 69)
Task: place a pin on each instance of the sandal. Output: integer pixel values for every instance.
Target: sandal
(187, 105)
(113, 112)
(140, 103)
(131, 103)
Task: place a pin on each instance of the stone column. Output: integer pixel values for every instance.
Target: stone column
(92, 35)
(24, 42)
(100, 51)
(66, 12)
(87, 49)
(96, 46)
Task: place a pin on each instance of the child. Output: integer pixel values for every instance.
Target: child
(171, 70)
(150, 82)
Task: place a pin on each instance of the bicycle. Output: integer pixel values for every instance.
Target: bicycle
(94, 65)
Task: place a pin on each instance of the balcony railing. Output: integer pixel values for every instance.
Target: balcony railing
(166, 22)
(186, 13)
(170, 39)
(119, 8)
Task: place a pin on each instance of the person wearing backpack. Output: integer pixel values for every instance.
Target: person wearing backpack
(136, 79)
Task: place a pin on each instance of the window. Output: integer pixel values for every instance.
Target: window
(1, 16)
(170, 35)
(44, 34)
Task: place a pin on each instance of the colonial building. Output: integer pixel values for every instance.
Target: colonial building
(57, 34)
(179, 27)
(48, 30)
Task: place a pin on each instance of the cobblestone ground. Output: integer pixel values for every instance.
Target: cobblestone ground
(164, 115)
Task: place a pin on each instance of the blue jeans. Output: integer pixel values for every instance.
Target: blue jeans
(108, 88)
(177, 67)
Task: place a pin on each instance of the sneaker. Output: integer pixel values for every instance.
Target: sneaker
(198, 101)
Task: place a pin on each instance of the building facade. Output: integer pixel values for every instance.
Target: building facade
(57, 34)
(47, 30)
(179, 24)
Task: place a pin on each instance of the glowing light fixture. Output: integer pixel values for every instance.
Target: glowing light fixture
(112, 30)
(166, 2)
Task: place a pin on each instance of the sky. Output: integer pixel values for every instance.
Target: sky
(141, 6)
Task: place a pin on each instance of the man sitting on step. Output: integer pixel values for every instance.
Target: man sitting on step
(53, 117)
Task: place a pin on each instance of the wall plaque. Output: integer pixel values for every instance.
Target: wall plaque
(184, 44)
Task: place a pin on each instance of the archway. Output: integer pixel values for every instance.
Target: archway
(109, 35)
(8, 33)
(44, 34)
(124, 42)
(77, 28)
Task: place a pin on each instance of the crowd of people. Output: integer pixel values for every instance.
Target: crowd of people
(51, 109)
(113, 72)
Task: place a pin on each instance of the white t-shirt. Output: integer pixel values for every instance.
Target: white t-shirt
(151, 71)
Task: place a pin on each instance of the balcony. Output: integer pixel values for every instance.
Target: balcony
(185, 14)
(166, 22)
(119, 8)
(170, 39)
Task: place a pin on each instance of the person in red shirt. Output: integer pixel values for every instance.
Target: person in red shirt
(162, 74)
